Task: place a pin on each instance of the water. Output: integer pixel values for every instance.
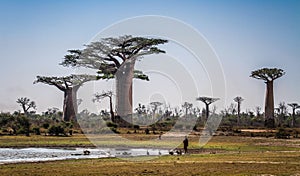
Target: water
(17, 155)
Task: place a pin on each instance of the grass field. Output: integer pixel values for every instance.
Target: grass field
(234, 155)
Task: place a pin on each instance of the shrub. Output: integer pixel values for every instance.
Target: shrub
(111, 124)
(114, 130)
(46, 125)
(136, 127)
(36, 130)
(108, 130)
(56, 130)
(282, 134)
(147, 131)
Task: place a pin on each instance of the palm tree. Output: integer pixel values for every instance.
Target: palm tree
(268, 75)
(239, 101)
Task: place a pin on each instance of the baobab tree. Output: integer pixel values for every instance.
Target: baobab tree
(115, 58)
(109, 94)
(207, 101)
(70, 86)
(268, 75)
(238, 100)
(294, 106)
(26, 104)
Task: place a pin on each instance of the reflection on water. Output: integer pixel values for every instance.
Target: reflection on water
(16, 155)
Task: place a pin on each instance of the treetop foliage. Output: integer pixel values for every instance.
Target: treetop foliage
(267, 74)
(238, 99)
(108, 54)
(187, 105)
(26, 104)
(207, 100)
(98, 97)
(66, 82)
(294, 105)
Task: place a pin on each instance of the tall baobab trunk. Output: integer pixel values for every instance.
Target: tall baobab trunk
(69, 105)
(269, 106)
(207, 111)
(239, 114)
(74, 98)
(124, 78)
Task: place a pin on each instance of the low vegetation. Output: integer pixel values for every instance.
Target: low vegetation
(223, 155)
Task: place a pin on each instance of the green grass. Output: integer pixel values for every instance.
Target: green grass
(226, 143)
(235, 155)
(271, 163)
(44, 141)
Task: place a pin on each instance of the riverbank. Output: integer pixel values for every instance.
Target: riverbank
(226, 143)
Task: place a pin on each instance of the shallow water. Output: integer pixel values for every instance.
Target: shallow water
(17, 155)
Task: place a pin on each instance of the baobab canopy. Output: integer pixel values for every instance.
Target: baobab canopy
(108, 54)
(267, 74)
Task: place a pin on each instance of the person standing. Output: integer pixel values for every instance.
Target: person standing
(185, 145)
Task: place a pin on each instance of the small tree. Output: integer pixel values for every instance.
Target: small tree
(238, 100)
(294, 106)
(98, 97)
(282, 113)
(257, 110)
(26, 104)
(268, 75)
(207, 101)
(154, 106)
(187, 106)
(69, 85)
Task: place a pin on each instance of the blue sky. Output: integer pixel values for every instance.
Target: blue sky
(246, 35)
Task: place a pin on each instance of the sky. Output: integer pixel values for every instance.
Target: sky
(245, 35)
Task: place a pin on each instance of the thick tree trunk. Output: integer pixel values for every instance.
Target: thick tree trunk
(68, 107)
(269, 106)
(238, 118)
(74, 98)
(207, 111)
(124, 78)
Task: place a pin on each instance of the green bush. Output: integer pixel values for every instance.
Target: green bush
(46, 125)
(282, 134)
(111, 124)
(56, 130)
(108, 130)
(36, 130)
(114, 130)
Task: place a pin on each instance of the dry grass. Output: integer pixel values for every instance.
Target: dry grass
(272, 163)
(234, 156)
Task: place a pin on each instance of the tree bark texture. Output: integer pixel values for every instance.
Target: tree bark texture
(269, 105)
(124, 78)
(69, 113)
